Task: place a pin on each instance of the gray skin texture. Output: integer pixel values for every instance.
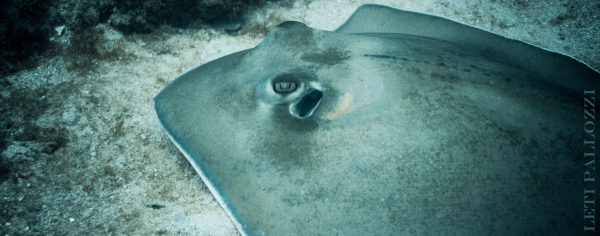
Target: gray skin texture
(414, 134)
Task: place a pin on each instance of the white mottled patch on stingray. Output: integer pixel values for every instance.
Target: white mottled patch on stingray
(343, 106)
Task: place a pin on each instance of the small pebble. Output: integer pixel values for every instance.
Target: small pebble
(71, 219)
(70, 119)
(7, 224)
(59, 30)
(51, 147)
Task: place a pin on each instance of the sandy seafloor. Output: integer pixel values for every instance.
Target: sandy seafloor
(116, 172)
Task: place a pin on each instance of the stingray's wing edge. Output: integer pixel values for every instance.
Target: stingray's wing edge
(203, 172)
(555, 67)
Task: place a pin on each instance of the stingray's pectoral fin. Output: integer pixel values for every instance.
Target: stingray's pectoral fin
(307, 105)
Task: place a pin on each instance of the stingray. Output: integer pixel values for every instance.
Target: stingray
(396, 123)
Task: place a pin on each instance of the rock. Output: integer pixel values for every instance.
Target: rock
(18, 153)
(70, 119)
(59, 30)
(232, 27)
(51, 147)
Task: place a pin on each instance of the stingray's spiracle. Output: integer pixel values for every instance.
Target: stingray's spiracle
(307, 105)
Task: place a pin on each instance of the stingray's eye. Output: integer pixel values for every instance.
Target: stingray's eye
(285, 87)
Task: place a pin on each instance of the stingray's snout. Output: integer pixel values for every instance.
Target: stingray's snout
(307, 105)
